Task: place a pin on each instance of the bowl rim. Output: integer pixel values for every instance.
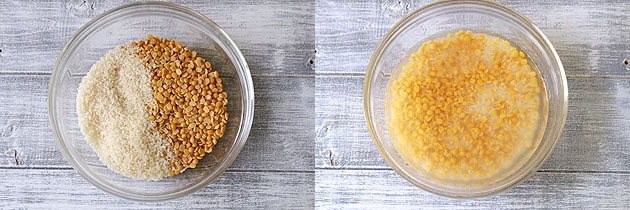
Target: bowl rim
(247, 106)
(393, 33)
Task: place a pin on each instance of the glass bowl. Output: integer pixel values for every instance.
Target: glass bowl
(133, 22)
(435, 20)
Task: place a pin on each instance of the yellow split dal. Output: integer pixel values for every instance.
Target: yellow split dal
(464, 108)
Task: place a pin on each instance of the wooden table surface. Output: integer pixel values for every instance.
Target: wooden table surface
(274, 169)
(309, 146)
(590, 167)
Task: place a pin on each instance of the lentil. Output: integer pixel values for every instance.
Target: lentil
(465, 107)
(178, 105)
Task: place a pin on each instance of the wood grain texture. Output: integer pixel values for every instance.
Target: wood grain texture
(588, 169)
(65, 189)
(276, 37)
(595, 136)
(384, 189)
(283, 106)
(299, 113)
(275, 169)
(591, 37)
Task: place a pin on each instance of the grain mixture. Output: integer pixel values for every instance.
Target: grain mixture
(152, 108)
(465, 108)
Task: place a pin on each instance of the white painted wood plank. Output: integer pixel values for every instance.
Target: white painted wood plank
(65, 189)
(274, 169)
(384, 189)
(595, 137)
(591, 37)
(276, 37)
(281, 138)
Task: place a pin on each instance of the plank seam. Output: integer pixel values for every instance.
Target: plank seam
(615, 77)
(539, 171)
(17, 74)
(228, 170)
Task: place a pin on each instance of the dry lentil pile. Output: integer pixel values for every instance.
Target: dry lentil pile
(182, 103)
(465, 107)
(190, 100)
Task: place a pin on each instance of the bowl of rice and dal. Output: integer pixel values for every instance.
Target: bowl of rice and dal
(151, 101)
(465, 98)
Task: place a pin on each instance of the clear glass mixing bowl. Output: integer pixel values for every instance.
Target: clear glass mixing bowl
(134, 22)
(434, 20)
